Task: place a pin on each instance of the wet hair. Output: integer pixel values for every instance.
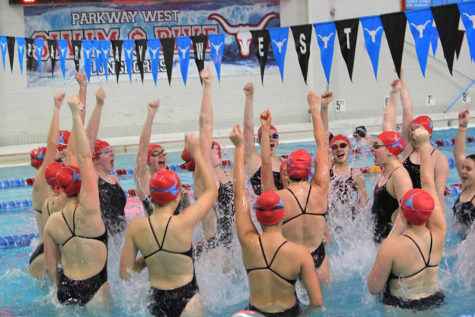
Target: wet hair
(471, 156)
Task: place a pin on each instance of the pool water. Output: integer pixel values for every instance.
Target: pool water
(225, 291)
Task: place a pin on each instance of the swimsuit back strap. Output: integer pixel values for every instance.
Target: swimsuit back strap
(276, 251)
(298, 202)
(263, 253)
(471, 199)
(392, 173)
(154, 235)
(430, 249)
(432, 151)
(308, 198)
(166, 229)
(418, 248)
(74, 222)
(62, 214)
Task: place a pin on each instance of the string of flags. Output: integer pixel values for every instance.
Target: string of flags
(426, 26)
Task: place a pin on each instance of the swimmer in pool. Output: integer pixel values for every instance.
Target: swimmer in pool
(77, 233)
(406, 266)
(111, 194)
(273, 264)
(464, 207)
(411, 159)
(42, 194)
(305, 204)
(164, 240)
(252, 158)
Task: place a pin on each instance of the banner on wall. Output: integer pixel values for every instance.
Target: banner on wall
(147, 21)
(419, 4)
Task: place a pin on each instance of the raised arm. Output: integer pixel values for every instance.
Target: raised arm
(244, 224)
(389, 118)
(249, 144)
(407, 108)
(81, 78)
(321, 177)
(140, 170)
(95, 119)
(206, 115)
(41, 189)
(89, 194)
(267, 177)
(326, 98)
(203, 204)
(459, 145)
(437, 220)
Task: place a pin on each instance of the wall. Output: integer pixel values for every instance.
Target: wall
(25, 113)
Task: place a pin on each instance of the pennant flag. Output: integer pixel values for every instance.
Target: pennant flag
(168, 45)
(326, 33)
(183, 44)
(302, 38)
(96, 45)
(106, 52)
(117, 53)
(87, 47)
(216, 41)
(447, 21)
(373, 32)
(30, 47)
(434, 39)
(53, 50)
(21, 51)
(420, 23)
(3, 43)
(11, 50)
(199, 48)
(279, 38)
(394, 25)
(76, 45)
(467, 12)
(347, 36)
(261, 41)
(140, 49)
(39, 43)
(63, 51)
(154, 52)
(129, 55)
(460, 35)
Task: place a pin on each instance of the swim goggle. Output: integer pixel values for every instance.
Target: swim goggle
(376, 145)
(341, 146)
(157, 152)
(107, 151)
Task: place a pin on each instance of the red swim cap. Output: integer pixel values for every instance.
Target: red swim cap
(299, 164)
(259, 132)
(417, 206)
(37, 156)
(216, 144)
(340, 137)
(189, 161)
(164, 186)
(392, 141)
(151, 148)
(99, 146)
(269, 208)
(63, 140)
(69, 179)
(50, 174)
(425, 122)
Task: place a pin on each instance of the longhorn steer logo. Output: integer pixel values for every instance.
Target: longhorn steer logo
(242, 31)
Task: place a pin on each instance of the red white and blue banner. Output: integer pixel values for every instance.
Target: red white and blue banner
(146, 21)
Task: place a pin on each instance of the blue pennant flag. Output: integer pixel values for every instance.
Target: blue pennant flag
(96, 44)
(326, 33)
(373, 32)
(3, 42)
(216, 41)
(420, 23)
(87, 47)
(467, 12)
(21, 51)
(39, 42)
(63, 51)
(128, 46)
(434, 39)
(106, 51)
(279, 38)
(154, 52)
(183, 44)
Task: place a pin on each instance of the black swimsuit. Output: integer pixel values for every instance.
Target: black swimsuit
(464, 213)
(414, 170)
(257, 184)
(383, 207)
(344, 193)
(80, 292)
(430, 301)
(113, 201)
(40, 249)
(170, 302)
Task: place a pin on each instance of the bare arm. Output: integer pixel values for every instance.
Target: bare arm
(442, 168)
(244, 224)
(459, 145)
(51, 254)
(321, 177)
(249, 145)
(140, 169)
(128, 261)
(361, 187)
(389, 119)
(326, 98)
(407, 108)
(310, 280)
(267, 176)
(95, 119)
(381, 269)
(81, 78)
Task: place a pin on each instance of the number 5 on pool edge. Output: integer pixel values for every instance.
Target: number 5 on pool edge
(340, 105)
